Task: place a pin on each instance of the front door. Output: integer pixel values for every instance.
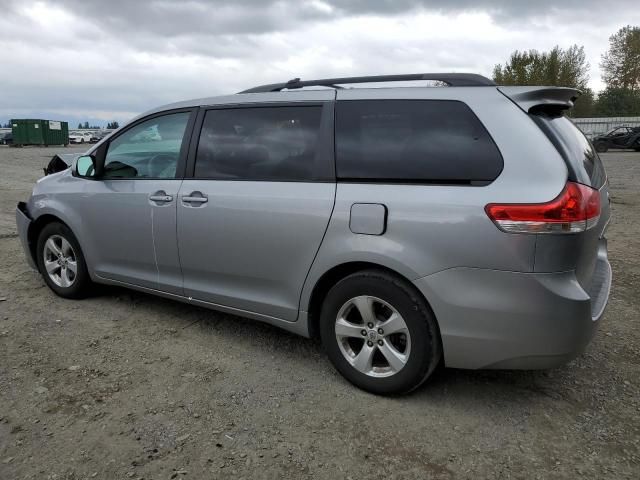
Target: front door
(252, 218)
(130, 212)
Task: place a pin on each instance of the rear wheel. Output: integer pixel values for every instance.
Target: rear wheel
(61, 262)
(379, 333)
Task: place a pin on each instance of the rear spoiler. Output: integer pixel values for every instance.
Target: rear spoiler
(541, 99)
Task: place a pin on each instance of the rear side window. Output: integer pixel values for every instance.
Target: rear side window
(262, 143)
(440, 141)
(582, 161)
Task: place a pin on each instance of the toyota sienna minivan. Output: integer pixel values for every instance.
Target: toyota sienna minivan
(404, 227)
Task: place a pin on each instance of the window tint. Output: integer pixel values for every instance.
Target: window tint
(262, 143)
(413, 140)
(581, 158)
(148, 150)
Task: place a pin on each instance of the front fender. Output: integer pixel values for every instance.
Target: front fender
(45, 208)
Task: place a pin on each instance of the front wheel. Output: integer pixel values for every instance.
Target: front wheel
(379, 333)
(61, 262)
(601, 147)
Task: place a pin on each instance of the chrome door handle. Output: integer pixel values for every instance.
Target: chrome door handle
(192, 199)
(160, 198)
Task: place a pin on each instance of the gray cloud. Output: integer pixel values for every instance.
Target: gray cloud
(110, 59)
(237, 17)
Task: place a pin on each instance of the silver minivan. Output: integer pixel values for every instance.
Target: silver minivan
(405, 227)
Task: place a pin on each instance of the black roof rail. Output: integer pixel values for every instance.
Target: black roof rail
(451, 79)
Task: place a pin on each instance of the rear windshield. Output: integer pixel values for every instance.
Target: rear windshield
(581, 158)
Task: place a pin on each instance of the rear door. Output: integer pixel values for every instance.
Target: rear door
(253, 215)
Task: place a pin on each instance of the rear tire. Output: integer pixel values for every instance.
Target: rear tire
(394, 361)
(61, 262)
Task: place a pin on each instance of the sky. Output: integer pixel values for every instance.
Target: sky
(107, 60)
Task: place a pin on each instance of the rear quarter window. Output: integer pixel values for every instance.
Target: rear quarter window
(582, 160)
(439, 141)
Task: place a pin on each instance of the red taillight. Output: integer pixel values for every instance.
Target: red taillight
(576, 209)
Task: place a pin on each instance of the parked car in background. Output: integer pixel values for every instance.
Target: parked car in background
(103, 134)
(100, 134)
(80, 137)
(6, 138)
(404, 227)
(619, 137)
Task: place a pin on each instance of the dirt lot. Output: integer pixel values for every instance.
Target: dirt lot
(126, 385)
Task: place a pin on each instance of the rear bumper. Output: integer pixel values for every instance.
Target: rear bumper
(23, 221)
(511, 320)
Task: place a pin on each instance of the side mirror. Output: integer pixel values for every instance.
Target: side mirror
(86, 166)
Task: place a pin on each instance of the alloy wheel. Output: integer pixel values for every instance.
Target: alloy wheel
(60, 261)
(372, 336)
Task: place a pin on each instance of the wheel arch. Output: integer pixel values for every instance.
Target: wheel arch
(336, 273)
(36, 227)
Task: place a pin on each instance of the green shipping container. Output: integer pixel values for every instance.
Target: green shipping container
(55, 132)
(39, 132)
(27, 132)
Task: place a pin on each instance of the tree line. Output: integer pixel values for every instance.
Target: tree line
(620, 66)
(110, 125)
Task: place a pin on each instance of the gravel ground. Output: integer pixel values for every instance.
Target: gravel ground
(126, 385)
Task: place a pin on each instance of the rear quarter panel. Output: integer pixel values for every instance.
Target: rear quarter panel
(431, 228)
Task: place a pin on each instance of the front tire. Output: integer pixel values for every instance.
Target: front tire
(379, 333)
(601, 147)
(61, 262)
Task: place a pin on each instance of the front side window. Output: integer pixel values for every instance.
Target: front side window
(261, 143)
(148, 150)
(413, 141)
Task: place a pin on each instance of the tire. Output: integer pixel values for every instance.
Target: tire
(384, 295)
(62, 280)
(601, 147)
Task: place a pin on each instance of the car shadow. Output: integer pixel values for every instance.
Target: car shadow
(489, 387)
